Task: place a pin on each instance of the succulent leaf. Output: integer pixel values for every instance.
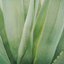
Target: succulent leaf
(60, 59)
(51, 34)
(3, 55)
(25, 40)
(14, 22)
(3, 61)
(26, 7)
(39, 25)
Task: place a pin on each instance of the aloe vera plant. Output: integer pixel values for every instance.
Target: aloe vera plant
(31, 31)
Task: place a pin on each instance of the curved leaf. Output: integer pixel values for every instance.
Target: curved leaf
(3, 61)
(39, 25)
(60, 59)
(14, 22)
(4, 37)
(25, 40)
(1, 5)
(3, 53)
(60, 46)
(26, 6)
(42, 1)
(51, 34)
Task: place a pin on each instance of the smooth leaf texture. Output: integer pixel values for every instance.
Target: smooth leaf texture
(37, 8)
(60, 46)
(51, 34)
(60, 59)
(31, 31)
(4, 37)
(38, 26)
(3, 61)
(1, 5)
(37, 5)
(3, 55)
(25, 40)
(14, 22)
(42, 2)
(26, 6)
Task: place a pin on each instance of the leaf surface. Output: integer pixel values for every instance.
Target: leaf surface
(3, 55)
(51, 34)
(39, 25)
(4, 37)
(3, 61)
(14, 22)
(26, 7)
(60, 46)
(60, 59)
(25, 44)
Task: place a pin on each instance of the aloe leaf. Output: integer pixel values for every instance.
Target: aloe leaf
(42, 2)
(26, 6)
(25, 40)
(14, 22)
(4, 37)
(60, 59)
(3, 52)
(1, 5)
(60, 46)
(37, 5)
(3, 61)
(39, 25)
(51, 34)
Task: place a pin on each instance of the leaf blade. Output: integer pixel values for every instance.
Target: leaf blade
(46, 50)
(26, 36)
(14, 22)
(3, 52)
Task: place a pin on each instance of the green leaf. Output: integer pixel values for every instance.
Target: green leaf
(60, 59)
(1, 5)
(26, 6)
(14, 22)
(3, 53)
(36, 10)
(4, 37)
(42, 1)
(25, 44)
(60, 46)
(39, 25)
(51, 34)
(3, 61)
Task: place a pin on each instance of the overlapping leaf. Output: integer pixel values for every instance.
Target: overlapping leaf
(14, 22)
(25, 44)
(59, 59)
(3, 55)
(42, 2)
(4, 37)
(51, 34)
(25, 6)
(39, 25)
(3, 61)
(60, 46)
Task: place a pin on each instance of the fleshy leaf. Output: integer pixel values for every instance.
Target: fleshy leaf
(14, 22)
(1, 5)
(60, 59)
(51, 34)
(60, 46)
(39, 25)
(26, 6)
(25, 40)
(4, 37)
(3, 61)
(3, 53)
(42, 2)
